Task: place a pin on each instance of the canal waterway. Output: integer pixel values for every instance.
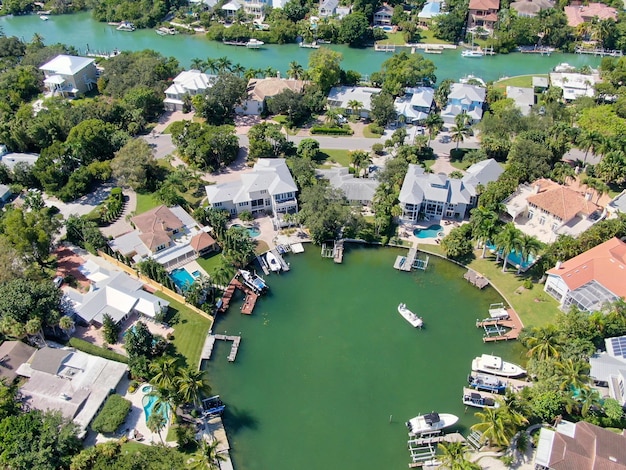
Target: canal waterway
(328, 371)
(81, 31)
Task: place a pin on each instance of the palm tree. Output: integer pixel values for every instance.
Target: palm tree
(190, 384)
(462, 119)
(332, 115)
(528, 246)
(198, 64)
(453, 456)
(33, 328)
(206, 457)
(11, 327)
(211, 65)
(238, 69)
(156, 423)
(359, 159)
(572, 374)
(66, 324)
(543, 343)
(165, 371)
(485, 226)
(589, 140)
(508, 240)
(270, 72)
(498, 426)
(459, 134)
(434, 123)
(356, 106)
(583, 401)
(222, 274)
(295, 71)
(597, 185)
(562, 172)
(223, 64)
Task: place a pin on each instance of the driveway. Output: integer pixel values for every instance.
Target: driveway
(160, 143)
(81, 206)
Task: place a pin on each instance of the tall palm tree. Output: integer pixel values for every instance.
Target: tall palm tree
(508, 240)
(562, 172)
(485, 226)
(223, 64)
(165, 371)
(499, 425)
(528, 246)
(332, 115)
(453, 456)
(359, 159)
(295, 71)
(206, 457)
(270, 72)
(211, 65)
(190, 385)
(543, 343)
(583, 401)
(572, 373)
(597, 185)
(459, 134)
(33, 327)
(356, 106)
(222, 274)
(198, 64)
(238, 69)
(156, 423)
(589, 140)
(434, 123)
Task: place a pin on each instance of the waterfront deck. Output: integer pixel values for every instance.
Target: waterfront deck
(496, 327)
(214, 430)
(249, 302)
(405, 263)
(476, 279)
(424, 449)
(209, 344)
(338, 252)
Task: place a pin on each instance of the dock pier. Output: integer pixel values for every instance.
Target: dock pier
(209, 344)
(338, 252)
(283, 264)
(411, 261)
(476, 279)
(263, 265)
(249, 302)
(495, 327)
(423, 449)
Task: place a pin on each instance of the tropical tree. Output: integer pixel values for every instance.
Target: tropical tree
(356, 106)
(332, 115)
(543, 343)
(508, 240)
(454, 455)
(359, 159)
(572, 374)
(223, 64)
(238, 69)
(198, 64)
(597, 185)
(207, 456)
(66, 324)
(434, 123)
(589, 140)
(583, 401)
(33, 328)
(528, 246)
(499, 425)
(156, 423)
(211, 65)
(295, 71)
(459, 134)
(190, 383)
(485, 226)
(165, 371)
(562, 172)
(222, 274)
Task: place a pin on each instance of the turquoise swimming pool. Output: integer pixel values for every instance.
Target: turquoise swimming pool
(431, 232)
(252, 231)
(148, 402)
(515, 258)
(182, 278)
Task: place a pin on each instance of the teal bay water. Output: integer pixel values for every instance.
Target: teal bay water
(81, 31)
(326, 360)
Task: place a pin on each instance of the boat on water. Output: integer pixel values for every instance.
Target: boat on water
(495, 365)
(44, 17)
(126, 26)
(213, 406)
(311, 45)
(489, 383)
(272, 261)
(409, 316)
(479, 399)
(253, 281)
(254, 44)
(430, 422)
(472, 53)
(163, 31)
(472, 79)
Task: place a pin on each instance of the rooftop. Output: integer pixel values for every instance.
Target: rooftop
(355, 189)
(340, 96)
(12, 355)
(67, 64)
(531, 7)
(577, 14)
(484, 5)
(261, 88)
(561, 201)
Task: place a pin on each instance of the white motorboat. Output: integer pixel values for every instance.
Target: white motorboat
(126, 26)
(253, 280)
(479, 399)
(272, 261)
(43, 17)
(472, 53)
(495, 365)
(254, 44)
(430, 422)
(409, 316)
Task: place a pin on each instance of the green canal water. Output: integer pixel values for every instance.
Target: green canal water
(328, 371)
(81, 31)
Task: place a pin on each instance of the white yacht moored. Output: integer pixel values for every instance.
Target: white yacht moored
(495, 365)
(430, 422)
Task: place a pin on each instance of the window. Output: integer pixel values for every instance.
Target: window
(264, 191)
(217, 204)
(555, 225)
(242, 204)
(160, 247)
(542, 220)
(531, 214)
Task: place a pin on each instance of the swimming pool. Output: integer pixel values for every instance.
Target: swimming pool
(430, 232)
(252, 231)
(515, 258)
(148, 402)
(182, 278)
(387, 29)
(146, 388)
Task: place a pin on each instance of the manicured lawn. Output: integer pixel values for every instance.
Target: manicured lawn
(210, 262)
(368, 134)
(190, 330)
(394, 38)
(328, 156)
(534, 306)
(428, 163)
(145, 202)
(429, 38)
(459, 165)
(525, 81)
(261, 247)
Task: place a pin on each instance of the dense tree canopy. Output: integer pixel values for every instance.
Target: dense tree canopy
(267, 141)
(404, 70)
(324, 68)
(217, 104)
(203, 146)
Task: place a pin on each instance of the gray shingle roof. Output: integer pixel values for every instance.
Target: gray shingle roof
(355, 189)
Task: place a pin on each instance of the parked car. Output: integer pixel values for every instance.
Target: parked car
(445, 139)
(58, 281)
(341, 119)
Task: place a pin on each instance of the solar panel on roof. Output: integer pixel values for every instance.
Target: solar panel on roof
(619, 346)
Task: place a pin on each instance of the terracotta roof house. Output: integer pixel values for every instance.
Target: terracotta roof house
(578, 14)
(164, 234)
(12, 355)
(69, 75)
(187, 83)
(259, 89)
(72, 382)
(531, 7)
(483, 13)
(580, 446)
(546, 209)
(590, 279)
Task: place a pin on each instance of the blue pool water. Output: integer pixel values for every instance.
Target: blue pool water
(387, 29)
(430, 232)
(148, 403)
(181, 278)
(515, 258)
(252, 231)
(146, 388)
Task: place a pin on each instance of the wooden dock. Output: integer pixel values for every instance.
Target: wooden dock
(424, 449)
(514, 324)
(405, 263)
(249, 302)
(209, 344)
(476, 279)
(338, 252)
(263, 265)
(207, 349)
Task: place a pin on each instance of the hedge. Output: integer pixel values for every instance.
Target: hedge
(332, 130)
(112, 415)
(94, 350)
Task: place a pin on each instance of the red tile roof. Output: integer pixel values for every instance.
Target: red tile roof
(156, 225)
(579, 14)
(484, 5)
(202, 241)
(560, 201)
(605, 263)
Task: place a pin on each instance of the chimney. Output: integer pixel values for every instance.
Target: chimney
(558, 265)
(536, 189)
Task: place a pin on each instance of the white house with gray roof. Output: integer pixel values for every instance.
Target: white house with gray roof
(524, 98)
(269, 187)
(358, 191)
(617, 205)
(464, 98)
(415, 104)
(341, 96)
(439, 196)
(10, 159)
(187, 83)
(328, 8)
(70, 75)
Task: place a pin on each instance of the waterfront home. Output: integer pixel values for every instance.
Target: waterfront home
(358, 191)
(617, 205)
(415, 105)
(580, 446)
(74, 383)
(382, 16)
(328, 8)
(531, 8)
(438, 196)
(166, 234)
(187, 83)
(206, 3)
(10, 159)
(547, 209)
(269, 187)
(524, 98)
(431, 10)
(112, 293)
(608, 369)
(578, 14)
(464, 98)
(231, 8)
(13, 354)
(574, 85)
(259, 89)
(483, 14)
(5, 193)
(343, 96)
(590, 279)
(69, 75)
(540, 84)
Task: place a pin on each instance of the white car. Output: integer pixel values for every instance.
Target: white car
(445, 139)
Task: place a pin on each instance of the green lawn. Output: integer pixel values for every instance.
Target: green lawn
(525, 81)
(535, 307)
(429, 38)
(368, 134)
(190, 330)
(210, 262)
(394, 38)
(145, 202)
(328, 156)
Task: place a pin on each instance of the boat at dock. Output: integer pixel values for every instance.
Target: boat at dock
(495, 365)
(472, 53)
(213, 406)
(430, 422)
(126, 26)
(254, 44)
(479, 399)
(409, 316)
(253, 281)
(272, 262)
(312, 45)
(44, 17)
(486, 382)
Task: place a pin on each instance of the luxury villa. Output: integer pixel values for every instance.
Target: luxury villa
(464, 98)
(436, 196)
(342, 96)
(187, 83)
(259, 89)
(69, 75)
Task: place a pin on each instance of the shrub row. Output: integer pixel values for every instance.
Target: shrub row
(94, 350)
(112, 415)
(345, 130)
(110, 209)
